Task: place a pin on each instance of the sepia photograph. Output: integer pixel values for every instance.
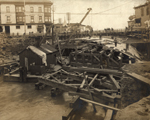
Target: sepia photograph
(74, 59)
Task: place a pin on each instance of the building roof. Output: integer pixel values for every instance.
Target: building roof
(44, 48)
(26, 1)
(36, 50)
(47, 48)
(145, 4)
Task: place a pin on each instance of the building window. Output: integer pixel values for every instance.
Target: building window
(17, 9)
(138, 20)
(31, 9)
(32, 18)
(47, 9)
(20, 19)
(47, 19)
(40, 18)
(17, 27)
(20, 9)
(7, 9)
(40, 9)
(142, 11)
(8, 18)
(29, 26)
(147, 10)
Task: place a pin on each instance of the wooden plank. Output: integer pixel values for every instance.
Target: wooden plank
(93, 80)
(104, 90)
(74, 101)
(86, 96)
(93, 70)
(74, 84)
(48, 75)
(67, 114)
(96, 103)
(16, 77)
(91, 97)
(117, 86)
(111, 59)
(82, 84)
(107, 85)
(14, 71)
(66, 87)
(71, 109)
(109, 113)
(139, 77)
(56, 84)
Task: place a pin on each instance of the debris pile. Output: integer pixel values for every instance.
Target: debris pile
(93, 71)
(11, 46)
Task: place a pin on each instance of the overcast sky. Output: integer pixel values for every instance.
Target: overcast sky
(104, 14)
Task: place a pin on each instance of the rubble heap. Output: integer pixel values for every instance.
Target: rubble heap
(11, 46)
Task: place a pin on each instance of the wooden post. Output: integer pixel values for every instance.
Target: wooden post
(90, 92)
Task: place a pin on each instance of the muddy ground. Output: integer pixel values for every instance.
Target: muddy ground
(135, 94)
(20, 101)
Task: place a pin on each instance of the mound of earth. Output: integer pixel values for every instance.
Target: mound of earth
(137, 111)
(132, 91)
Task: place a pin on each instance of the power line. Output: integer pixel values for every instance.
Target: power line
(98, 12)
(113, 7)
(95, 13)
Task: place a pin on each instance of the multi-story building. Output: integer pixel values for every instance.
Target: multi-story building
(142, 14)
(25, 16)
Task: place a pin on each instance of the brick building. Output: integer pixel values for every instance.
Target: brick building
(17, 18)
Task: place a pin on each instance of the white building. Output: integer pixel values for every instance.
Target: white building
(15, 19)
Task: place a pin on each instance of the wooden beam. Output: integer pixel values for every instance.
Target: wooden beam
(82, 84)
(91, 97)
(74, 84)
(14, 71)
(65, 87)
(93, 70)
(93, 80)
(117, 86)
(74, 101)
(74, 104)
(139, 77)
(49, 75)
(111, 59)
(96, 103)
(55, 78)
(67, 114)
(109, 113)
(104, 90)
(107, 85)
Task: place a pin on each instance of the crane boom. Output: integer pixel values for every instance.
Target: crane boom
(85, 15)
(89, 9)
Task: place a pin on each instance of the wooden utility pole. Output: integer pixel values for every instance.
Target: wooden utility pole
(53, 26)
(53, 13)
(24, 19)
